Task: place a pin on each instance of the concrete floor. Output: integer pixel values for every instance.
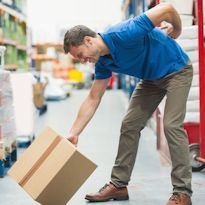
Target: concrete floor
(150, 183)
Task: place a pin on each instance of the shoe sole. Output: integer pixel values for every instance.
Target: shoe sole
(118, 198)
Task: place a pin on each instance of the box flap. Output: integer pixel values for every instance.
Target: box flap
(32, 154)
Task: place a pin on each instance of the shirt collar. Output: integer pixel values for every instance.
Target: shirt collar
(109, 42)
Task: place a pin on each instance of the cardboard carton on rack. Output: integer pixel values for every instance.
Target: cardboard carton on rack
(38, 94)
(51, 170)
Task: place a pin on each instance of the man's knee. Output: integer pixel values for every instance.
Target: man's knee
(132, 125)
(172, 128)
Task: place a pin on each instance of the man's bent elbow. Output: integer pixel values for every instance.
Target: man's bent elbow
(173, 16)
(168, 10)
(161, 12)
(168, 7)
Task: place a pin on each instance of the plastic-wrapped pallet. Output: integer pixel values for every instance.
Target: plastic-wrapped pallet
(24, 109)
(7, 121)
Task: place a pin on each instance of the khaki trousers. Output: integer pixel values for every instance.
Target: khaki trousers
(144, 101)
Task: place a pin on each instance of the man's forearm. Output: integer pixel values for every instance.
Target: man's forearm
(85, 114)
(175, 20)
(166, 12)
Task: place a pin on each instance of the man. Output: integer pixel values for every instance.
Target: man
(136, 48)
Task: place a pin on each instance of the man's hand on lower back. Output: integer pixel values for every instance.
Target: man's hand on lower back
(166, 28)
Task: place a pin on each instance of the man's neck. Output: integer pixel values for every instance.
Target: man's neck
(104, 50)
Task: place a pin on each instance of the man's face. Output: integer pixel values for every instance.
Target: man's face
(87, 52)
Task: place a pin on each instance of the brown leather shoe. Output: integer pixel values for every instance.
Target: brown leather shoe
(179, 199)
(109, 192)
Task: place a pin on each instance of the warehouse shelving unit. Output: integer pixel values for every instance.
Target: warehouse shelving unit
(13, 38)
(13, 34)
(40, 54)
(50, 58)
(201, 155)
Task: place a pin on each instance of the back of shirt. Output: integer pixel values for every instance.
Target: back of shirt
(141, 50)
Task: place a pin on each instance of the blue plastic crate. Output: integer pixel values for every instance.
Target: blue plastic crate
(7, 161)
(2, 168)
(14, 155)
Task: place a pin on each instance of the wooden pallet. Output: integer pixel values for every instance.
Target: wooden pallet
(8, 155)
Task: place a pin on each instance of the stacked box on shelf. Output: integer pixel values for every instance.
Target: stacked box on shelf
(21, 49)
(22, 59)
(8, 25)
(8, 33)
(46, 56)
(7, 123)
(5, 24)
(62, 73)
(1, 25)
(21, 33)
(10, 55)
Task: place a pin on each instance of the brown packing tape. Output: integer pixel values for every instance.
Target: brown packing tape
(38, 163)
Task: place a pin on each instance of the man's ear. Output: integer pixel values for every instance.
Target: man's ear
(87, 40)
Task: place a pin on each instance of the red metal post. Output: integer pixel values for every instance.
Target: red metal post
(201, 77)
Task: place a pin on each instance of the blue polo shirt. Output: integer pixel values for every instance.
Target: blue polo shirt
(139, 49)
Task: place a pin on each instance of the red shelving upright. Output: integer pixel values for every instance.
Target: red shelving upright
(201, 80)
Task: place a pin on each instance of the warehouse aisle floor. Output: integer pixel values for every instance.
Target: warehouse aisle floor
(150, 183)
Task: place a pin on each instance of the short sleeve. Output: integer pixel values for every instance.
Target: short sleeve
(141, 25)
(132, 30)
(101, 72)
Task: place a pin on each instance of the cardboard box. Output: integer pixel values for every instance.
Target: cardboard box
(38, 94)
(51, 170)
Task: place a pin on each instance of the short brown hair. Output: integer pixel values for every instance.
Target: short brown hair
(75, 36)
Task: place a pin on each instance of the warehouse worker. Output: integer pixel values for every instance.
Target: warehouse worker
(137, 48)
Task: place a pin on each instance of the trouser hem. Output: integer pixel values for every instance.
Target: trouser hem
(183, 192)
(118, 185)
